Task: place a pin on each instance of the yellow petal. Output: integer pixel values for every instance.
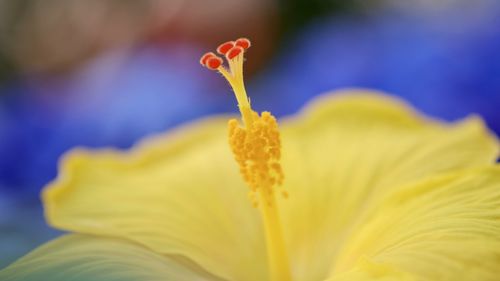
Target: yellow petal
(179, 194)
(183, 195)
(84, 258)
(348, 151)
(445, 228)
(366, 270)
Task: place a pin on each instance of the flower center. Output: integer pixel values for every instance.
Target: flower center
(256, 147)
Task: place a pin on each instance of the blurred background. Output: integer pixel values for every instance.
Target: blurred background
(100, 73)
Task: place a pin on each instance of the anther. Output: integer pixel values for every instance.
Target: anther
(244, 43)
(234, 52)
(284, 194)
(225, 47)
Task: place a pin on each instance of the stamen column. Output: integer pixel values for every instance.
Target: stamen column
(257, 149)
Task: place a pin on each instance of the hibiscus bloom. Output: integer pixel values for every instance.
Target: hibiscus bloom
(376, 192)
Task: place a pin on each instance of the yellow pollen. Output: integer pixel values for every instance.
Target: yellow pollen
(256, 146)
(257, 152)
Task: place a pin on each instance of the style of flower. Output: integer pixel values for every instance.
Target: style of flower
(376, 192)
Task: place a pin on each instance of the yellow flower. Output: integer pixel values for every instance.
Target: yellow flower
(376, 192)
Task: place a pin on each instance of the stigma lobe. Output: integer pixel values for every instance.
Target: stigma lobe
(234, 52)
(225, 47)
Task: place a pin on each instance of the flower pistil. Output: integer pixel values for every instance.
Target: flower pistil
(256, 146)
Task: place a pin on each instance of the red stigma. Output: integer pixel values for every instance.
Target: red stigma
(244, 43)
(213, 63)
(225, 47)
(233, 52)
(205, 57)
